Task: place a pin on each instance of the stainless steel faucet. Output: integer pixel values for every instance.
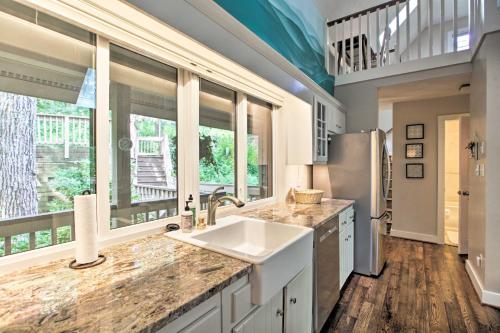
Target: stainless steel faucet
(214, 203)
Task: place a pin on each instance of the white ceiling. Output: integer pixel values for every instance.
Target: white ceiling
(424, 89)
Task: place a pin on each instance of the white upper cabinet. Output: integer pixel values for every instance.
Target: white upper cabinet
(308, 127)
(320, 131)
(327, 120)
(336, 121)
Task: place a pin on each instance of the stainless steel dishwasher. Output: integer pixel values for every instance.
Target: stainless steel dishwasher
(326, 271)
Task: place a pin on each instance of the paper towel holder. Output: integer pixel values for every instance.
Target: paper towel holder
(100, 259)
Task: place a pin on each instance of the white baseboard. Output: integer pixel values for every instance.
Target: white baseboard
(414, 236)
(487, 297)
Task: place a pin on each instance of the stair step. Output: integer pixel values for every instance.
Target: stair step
(150, 167)
(154, 184)
(151, 179)
(141, 173)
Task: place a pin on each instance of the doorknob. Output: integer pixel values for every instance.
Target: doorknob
(465, 193)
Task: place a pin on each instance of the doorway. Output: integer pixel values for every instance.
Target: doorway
(453, 180)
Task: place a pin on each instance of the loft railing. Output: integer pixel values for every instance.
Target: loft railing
(401, 31)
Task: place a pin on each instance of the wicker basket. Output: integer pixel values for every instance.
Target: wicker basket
(308, 196)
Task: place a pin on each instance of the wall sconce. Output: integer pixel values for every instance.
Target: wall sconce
(472, 147)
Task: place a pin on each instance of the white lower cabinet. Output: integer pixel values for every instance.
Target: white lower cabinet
(267, 318)
(346, 244)
(298, 302)
(231, 310)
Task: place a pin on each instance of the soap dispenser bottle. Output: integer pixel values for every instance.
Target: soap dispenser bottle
(192, 207)
(187, 219)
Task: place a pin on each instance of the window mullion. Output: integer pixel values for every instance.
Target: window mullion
(241, 146)
(188, 142)
(102, 136)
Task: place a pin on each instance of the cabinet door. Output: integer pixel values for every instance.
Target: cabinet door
(320, 134)
(298, 303)
(350, 237)
(338, 121)
(343, 256)
(267, 318)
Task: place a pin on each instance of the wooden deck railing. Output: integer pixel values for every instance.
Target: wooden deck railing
(155, 203)
(63, 130)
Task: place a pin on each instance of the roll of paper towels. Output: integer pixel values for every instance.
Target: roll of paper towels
(86, 229)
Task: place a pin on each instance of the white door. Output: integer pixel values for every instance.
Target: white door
(463, 204)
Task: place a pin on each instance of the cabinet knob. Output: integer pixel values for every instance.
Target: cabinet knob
(279, 313)
(293, 300)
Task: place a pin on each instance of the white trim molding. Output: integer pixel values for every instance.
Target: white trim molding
(414, 236)
(124, 24)
(485, 296)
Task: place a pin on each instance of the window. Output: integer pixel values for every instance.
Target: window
(143, 103)
(47, 101)
(217, 129)
(463, 42)
(259, 150)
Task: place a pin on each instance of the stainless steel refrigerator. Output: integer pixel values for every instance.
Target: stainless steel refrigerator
(358, 169)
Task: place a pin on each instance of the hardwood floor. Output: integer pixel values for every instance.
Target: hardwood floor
(423, 288)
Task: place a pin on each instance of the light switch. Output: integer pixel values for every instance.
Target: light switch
(481, 170)
(477, 170)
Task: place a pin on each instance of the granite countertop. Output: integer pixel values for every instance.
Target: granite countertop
(307, 215)
(143, 285)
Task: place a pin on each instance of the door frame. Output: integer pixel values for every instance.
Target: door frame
(441, 180)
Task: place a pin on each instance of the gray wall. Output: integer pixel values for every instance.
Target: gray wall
(361, 99)
(415, 200)
(477, 207)
(484, 213)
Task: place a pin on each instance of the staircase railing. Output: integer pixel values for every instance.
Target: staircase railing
(401, 31)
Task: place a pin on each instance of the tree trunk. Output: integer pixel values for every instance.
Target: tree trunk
(18, 194)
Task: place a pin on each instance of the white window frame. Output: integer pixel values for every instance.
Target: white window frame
(166, 45)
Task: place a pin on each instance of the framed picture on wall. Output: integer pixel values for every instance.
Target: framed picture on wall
(414, 131)
(414, 150)
(414, 170)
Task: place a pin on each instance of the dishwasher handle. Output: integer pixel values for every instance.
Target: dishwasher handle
(327, 234)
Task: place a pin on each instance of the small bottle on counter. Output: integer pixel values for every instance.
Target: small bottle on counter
(187, 219)
(192, 207)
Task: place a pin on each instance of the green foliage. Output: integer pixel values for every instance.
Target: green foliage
(252, 161)
(46, 106)
(217, 157)
(69, 182)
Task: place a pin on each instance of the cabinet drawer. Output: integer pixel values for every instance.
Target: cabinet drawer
(342, 221)
(205, 315)
(350, 215)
